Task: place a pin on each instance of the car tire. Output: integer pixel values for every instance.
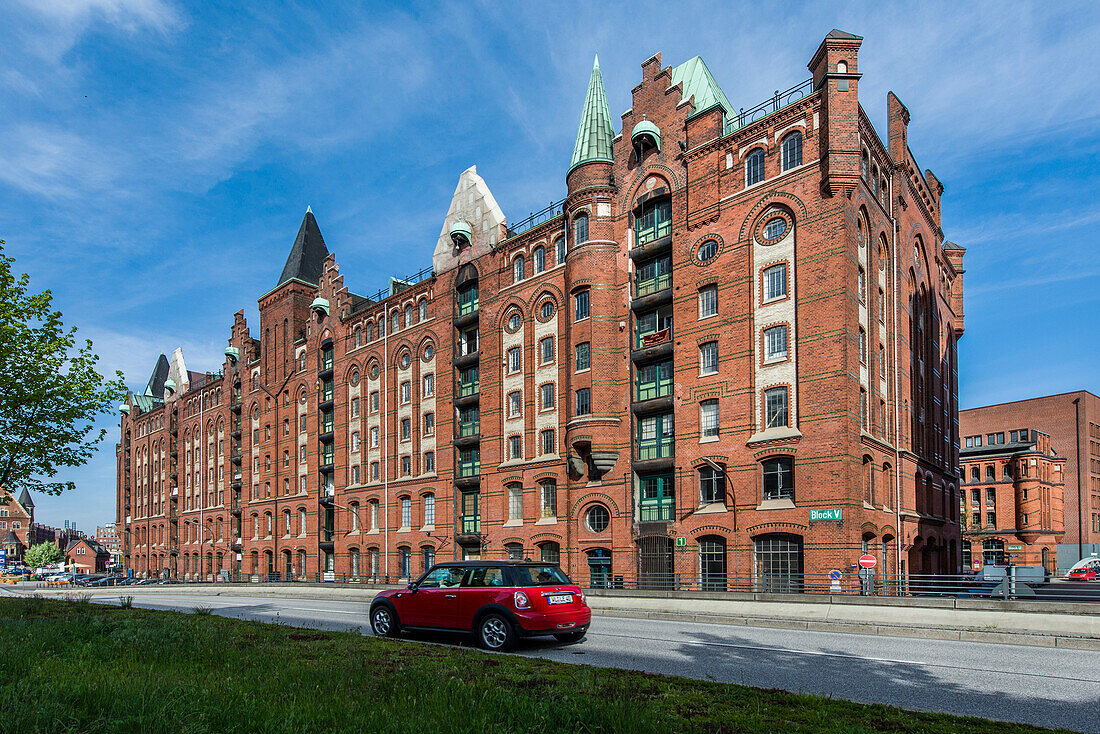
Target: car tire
(570, 637)
(495, 633)
(383, 621)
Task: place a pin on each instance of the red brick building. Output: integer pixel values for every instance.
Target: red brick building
(84, 555)
(1011, 499)
(727, 358)
(16, 519)
(1072, 420)
(107, 536)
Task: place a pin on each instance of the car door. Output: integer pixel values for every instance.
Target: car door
(482, 585)
(434, 601)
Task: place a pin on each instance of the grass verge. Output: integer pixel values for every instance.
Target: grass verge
(78, 667)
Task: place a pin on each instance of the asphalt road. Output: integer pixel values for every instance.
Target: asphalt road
(1046, 686)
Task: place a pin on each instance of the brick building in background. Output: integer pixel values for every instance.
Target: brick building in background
(1011, 499)
(107, 536)
(16, 519)
(728, 357)
(1072, 420)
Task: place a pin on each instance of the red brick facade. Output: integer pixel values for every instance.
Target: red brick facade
(1013, 482)
(1072, 420)
(676, 269)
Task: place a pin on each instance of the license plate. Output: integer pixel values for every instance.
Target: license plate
(560, 599)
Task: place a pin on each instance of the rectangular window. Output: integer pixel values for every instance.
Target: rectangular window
(429, 386)
(515, 447)
(374, 402)
(406, 512)
(546, 350)
(582, 359)
(374, 437)
(546, 393)
(515, 359)
(355, 474)
(406, 429)
(302, 453)
(862, 346)
(708, 418)
(775, 408)
(779, 478)
(862, 286)
(580, 306)
(775, 282)
(429, 424)
(548, 492)
(406, 466)
(406, 392)
(515, 502)
(991, 496)
(881, 306)
(708, 358)
(991, 519)
(429, 462)
(775, 342)
(515, 404)
(354, 407)
(584, 401)
(301, 428)
(548, 445)
(708, 301)
(712, 485)
(355, 441)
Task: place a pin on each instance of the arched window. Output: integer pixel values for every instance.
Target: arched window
(429, 509)
(792, 151)
(712, 563)
(409, 315)
(865, 165)
(550, 552)
(653, 221)
(353, 510)
(423, 307)
(559, 251)
(539, 256)
(396, 321)
(515, 551)
(358, 336)
(355, 563)
(518, 267)
(778, 478)
(370, 331)
(580, 229)
(868, 480)
(754, 167)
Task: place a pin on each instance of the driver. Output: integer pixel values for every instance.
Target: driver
(452, 578)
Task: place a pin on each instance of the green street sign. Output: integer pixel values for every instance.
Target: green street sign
(681, 541)
(835, 513)
(1015, 547)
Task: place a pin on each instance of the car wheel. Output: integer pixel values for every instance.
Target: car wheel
(383, 621)
(495, 633)
(568, 637)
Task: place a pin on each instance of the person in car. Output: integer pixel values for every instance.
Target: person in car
(451, 579)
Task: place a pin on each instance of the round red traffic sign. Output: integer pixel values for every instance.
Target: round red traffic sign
(867, 561)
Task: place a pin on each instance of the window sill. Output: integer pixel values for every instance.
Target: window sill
(513, 524)
(709, 439)
(403, 529)
(774, 434)
(775, 360)
(547, 521)
(428, 529)
(708, 316)
(781, 504)
(712, 508)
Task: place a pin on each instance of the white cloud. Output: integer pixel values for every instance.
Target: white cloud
(126, 15)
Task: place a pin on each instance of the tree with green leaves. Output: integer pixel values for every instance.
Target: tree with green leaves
(42, 554)
(50, 391)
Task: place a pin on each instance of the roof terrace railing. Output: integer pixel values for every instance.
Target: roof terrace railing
(399, 284)
(778, 101)
(536, 218)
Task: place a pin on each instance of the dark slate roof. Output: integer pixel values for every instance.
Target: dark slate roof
(25, 499)
(947, 245)
(155, 388)
(836, 33)
(307, 255)
(12, 539)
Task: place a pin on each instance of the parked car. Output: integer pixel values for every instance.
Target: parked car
(1087, 569)
(496, 601)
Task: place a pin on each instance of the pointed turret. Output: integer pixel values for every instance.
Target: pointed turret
(155, 387)
(307, 256)
(596, 132)
(25, 500)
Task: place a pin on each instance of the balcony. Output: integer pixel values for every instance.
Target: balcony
(471, 524)
(235, 503)
(467, 302)
(468, 389)
(662, 447)
(652, 285)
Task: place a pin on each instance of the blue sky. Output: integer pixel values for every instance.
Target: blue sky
(158, 155)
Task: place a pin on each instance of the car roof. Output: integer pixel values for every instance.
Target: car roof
(488, 563)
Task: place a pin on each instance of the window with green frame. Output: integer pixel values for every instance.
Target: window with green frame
(652, 276)
(468, 382)
(654, 221)
(471, 512)
(655, 436)
(467, 299)
(654, 380)
(469, 462)
(656, 497)
(326, 421)
(326, 391)
(652, 322)
(469, 423)
(326, 358)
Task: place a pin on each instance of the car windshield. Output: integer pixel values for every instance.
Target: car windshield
(539, 576)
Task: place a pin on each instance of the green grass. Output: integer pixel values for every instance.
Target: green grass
(79, 667)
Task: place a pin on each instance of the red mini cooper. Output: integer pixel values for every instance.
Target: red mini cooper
(496, 601)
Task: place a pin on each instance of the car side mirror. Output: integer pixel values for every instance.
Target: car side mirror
(413, 587)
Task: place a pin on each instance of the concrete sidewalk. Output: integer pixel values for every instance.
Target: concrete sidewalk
(1049, 624)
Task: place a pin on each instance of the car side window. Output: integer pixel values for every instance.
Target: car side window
(482, 577)
(446, 577)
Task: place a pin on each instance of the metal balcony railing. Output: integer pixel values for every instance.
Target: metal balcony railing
(655, 389)
(652, 285)
(652, 338)
(466, 389)
(469, 468)
(469, 428)
(657, 448)
(471, 523)
(656, 510)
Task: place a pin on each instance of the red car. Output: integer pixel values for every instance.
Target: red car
(497, 601)
(1085, 572)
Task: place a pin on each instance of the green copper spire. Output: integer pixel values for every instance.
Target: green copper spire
(595, 133)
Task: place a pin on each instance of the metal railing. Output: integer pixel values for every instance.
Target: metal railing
(776, 102)
(536, 218)
(655, 388)
(652, 285)
(466, 389)
(399, 284)
(652, 338)
(655, 231)
(656, 448)
(658, 510)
